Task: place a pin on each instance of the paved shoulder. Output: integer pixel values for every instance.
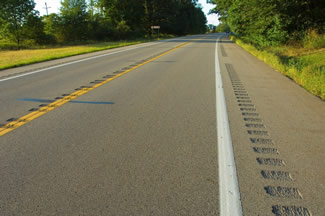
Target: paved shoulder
(278, 135)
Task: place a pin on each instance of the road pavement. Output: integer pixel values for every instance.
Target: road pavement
(132, 131)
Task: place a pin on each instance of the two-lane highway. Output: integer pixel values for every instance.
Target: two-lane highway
(133, 131)
(151, 152)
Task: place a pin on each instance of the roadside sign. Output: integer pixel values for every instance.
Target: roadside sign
(152, 30)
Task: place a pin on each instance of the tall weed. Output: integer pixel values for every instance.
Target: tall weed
(313, 40)
(307, 70)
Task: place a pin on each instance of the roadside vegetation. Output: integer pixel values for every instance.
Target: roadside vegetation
(306, 66)
(83, 26)
(289, 35)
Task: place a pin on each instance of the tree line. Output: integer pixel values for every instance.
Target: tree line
(83, 20)
(271, 22)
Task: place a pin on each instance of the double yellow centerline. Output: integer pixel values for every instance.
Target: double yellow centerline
(43, 110)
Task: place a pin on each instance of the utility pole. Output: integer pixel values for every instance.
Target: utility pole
(46, 7)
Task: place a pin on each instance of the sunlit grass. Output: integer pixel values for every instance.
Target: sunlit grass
(305, 66)
(14, 58)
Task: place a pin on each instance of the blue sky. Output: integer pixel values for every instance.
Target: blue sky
(54, 6)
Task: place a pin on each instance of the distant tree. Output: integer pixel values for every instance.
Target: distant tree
(16, 15)
(222, 8)
(99, 27)
(3, 28)
(177, 16)
(222, 27)
(74, 14)
(173, 16)
(301, 16)
(199, 20)
(212, 28)
(34, 30)
(52, 24)
(127, 16)
(165, 14)
(123, 30)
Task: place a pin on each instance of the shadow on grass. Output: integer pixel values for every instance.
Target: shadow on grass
(292, 61)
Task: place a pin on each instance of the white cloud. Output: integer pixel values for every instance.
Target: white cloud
(212, 18)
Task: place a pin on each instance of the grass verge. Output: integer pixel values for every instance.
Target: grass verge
(15, 58)
(305, 66)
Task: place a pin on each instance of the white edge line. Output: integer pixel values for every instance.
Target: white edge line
(78, 61)
(230, 203)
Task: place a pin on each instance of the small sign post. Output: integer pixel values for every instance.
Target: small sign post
(155, 27)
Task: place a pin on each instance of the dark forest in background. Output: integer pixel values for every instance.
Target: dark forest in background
(272, 22)
(98, 20)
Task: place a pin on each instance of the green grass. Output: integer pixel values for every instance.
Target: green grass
(305, 66)
(14, 58)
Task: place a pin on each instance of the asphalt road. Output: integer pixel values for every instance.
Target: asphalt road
(132, 131)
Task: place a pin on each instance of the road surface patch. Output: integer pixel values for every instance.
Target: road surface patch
(223, 51)
(108, 76)
(261, 141)
(97, 81)
(271, 162)
(258, 133)
(261, 150)
(255, 125)
(290, 211)
(250, 114)
(253, 119)
(33, 109)
(276, 175)
(241, 94)
(283, 192)
(248, 109)
(244, 101)
(78, 92)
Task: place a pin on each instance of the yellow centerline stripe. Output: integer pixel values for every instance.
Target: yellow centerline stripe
(43, 110)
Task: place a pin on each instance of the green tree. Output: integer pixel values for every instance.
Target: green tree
(34, 30)
(221, 8)
(99, 27)
(52, 24)
(222, 27)
(269, 22)
(123, 30)
(73, 26)
(127, 16)
(174, 16)
(16, 15)
(3, 28)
